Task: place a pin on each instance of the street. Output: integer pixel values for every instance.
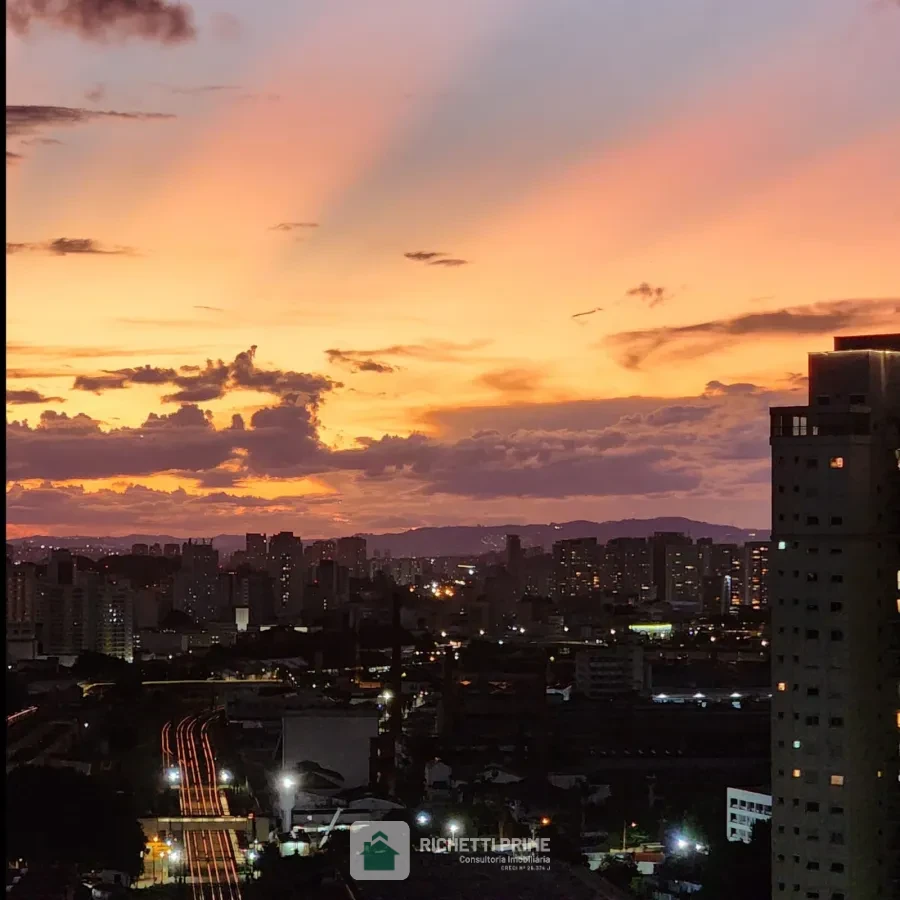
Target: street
(210, 860)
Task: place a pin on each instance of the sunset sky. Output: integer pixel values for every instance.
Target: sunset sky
(500, 260)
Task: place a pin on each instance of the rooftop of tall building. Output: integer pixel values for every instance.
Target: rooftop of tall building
(868, 342)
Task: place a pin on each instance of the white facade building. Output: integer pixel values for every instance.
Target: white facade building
(743, 810)
(606, 671)
(835, 602)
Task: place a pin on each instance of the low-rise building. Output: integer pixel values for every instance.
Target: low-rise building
(744, 809)
(607, 671)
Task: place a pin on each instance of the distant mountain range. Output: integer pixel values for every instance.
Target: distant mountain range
(454, 540)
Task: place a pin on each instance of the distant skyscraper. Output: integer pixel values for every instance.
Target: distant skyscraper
(318, 551)
(627, 569)
(835, 601)
(330, 587)
(659, 543)
(62, 608)
(683, 575)
(721, 571)
(351, 553)
(171, 551)
(155, 550)
(195, 583)
(140, 550)
(286, 569)
(113, 620)
(21, 594)
(576, 569)
(514, 559)
(257, 551)
(756, 574)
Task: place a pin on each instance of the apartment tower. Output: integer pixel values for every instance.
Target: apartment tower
(834, 592)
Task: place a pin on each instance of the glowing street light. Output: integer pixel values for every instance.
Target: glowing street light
(681, 844)
(225, 776)
(453, 827)
(288, 782)
(174, 856)
(423, 819)
(173, 775)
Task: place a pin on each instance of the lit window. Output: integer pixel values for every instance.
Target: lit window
(796, 773)
(836, 462)
(796, 745)
(782, 545)
(837, 780)
(783, 687)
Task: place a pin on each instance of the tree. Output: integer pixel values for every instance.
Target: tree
(98, 666)
(619, 872)
(60, 816)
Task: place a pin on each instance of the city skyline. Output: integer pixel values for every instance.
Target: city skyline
(498, 263)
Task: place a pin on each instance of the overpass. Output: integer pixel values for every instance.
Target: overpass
(88, 686)
(256, 827)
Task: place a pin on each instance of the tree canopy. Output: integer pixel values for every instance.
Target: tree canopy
(60, 816)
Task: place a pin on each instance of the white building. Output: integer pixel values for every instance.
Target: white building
(743, 810)
(606, 671)
(833, 593)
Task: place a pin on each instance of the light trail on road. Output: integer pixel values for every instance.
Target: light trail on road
(21, 714)
(209, 854)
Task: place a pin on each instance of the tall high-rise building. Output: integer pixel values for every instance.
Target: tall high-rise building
(140, 550)
(112, 619)
(683, 575)
(286, 569)
(195, 584)
(330, 586)
(171, 551)
(627, 569)
(351, 554)
(514, 559)
(659, 543)
(576, 567)
(756, 574)
(318, 551)
(62, 608)
(722, 569)
(835, 602)
(256, 551)
(21, 593)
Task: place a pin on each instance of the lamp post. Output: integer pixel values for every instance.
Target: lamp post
(287, 786)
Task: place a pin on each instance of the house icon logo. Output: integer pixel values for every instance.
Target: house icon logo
(378, 854)
(379, 851)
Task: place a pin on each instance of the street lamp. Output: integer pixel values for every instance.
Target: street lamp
(453, 828)
(288, 785)
(173, 775)
(423, 819)
(225, 776)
